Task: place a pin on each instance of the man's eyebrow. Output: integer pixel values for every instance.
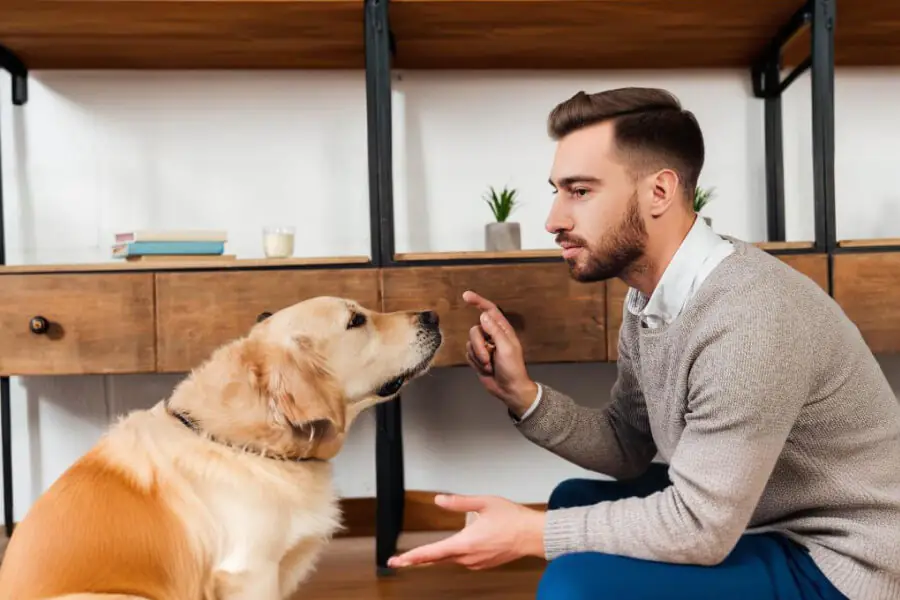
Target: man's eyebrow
(572, 179)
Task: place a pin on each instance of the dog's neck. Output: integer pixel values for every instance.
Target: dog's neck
(185, 419)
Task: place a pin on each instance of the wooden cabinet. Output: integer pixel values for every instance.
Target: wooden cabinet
(867, 286)
(813, 265)
(170, 321)
(61, 324)
(557, 319)
(198, 311)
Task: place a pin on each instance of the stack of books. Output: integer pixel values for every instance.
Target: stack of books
(152, 244)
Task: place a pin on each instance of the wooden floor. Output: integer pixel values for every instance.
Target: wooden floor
(347, 571)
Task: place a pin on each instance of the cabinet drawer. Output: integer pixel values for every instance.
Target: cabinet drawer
(76, 323)
(557, 319)
(199, 311)
(867, 287)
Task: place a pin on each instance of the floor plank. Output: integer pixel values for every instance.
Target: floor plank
(347, 570)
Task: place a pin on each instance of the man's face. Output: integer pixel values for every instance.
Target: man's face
(596, 214)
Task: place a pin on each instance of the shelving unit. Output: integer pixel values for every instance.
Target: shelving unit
(560, 320)
(866, 272)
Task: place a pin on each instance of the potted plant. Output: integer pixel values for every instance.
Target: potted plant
(701, 198)
(502, 235)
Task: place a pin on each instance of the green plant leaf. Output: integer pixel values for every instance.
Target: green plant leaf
(702, 197)
(502, 203)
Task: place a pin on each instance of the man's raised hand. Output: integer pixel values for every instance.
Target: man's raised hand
(495, 353)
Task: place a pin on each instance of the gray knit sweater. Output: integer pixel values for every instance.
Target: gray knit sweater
(773, 416)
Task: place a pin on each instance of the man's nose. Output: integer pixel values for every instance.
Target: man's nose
(557, 220)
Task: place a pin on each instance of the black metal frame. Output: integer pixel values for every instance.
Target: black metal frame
(768, 85)
(389, 472)
(16, 68)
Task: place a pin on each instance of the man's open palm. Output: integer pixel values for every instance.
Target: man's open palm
(501, 531)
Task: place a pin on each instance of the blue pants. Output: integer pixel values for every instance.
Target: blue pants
(761, 566)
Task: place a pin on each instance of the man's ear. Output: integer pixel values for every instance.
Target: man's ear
(302, 394)
(664, 192)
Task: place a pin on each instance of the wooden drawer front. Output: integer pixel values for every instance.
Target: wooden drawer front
(814, 266)
(867, 286)
(98, 323)
(556, 318)
(615, 303)
(199, 311)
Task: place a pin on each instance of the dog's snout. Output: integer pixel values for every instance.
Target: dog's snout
(429, 319)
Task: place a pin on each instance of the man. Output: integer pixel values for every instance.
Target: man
(780, 434)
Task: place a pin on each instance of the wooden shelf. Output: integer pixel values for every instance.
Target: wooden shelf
(476, 255)
(123, 266)
(185, 34)
(870, 243)
(583, 34)
(473, 256)
(867, 34)
(776, 246)
(867, 285)
(430, 34)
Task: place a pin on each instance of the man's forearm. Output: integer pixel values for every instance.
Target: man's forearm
(601, 440)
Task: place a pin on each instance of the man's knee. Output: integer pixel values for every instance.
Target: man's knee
(569, 493)
(600, 576)
(566, 578)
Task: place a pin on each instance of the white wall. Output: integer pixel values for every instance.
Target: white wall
(96, 153)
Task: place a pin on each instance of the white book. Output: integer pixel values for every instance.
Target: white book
(172, 235)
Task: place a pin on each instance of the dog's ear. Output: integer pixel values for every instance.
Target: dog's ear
(302, 395)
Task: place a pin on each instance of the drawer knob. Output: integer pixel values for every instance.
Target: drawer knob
(263, 316)
(39, 325)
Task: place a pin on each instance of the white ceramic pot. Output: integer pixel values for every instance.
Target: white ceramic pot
(502, 237)
(708, 221)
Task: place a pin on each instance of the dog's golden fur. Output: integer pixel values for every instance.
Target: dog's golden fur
(239, 505)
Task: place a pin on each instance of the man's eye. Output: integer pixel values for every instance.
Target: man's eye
(357, 320)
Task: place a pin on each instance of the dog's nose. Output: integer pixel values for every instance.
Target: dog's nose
(429, 318)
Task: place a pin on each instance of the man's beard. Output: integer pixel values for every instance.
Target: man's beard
(621, 249)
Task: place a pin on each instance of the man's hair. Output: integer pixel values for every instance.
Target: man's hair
(651, 130)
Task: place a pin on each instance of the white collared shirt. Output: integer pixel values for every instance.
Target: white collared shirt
(700, 252)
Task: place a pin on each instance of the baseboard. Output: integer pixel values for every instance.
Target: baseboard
(420, 513)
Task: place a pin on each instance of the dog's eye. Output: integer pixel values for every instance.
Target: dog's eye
(357, 320)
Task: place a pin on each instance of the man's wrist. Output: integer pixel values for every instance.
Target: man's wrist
(524, 399)
(535, 544)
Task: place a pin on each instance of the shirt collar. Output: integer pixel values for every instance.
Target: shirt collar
(680, 276)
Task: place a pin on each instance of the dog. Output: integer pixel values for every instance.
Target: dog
(223, 490)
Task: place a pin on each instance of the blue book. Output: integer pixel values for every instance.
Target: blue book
(171, 248)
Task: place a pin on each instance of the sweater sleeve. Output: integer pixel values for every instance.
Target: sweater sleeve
(747, 383)
(614, 440)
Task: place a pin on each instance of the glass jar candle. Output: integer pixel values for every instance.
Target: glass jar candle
(278, 242)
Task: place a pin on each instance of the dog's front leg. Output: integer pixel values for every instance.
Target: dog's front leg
(260, 583)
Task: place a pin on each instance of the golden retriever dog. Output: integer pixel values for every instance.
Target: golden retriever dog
(223, 490)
